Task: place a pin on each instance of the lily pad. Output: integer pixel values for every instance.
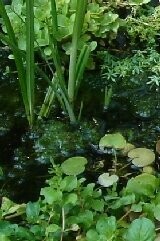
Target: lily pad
(141, 157)
(74, 165)
(106, 181)
(116, 141)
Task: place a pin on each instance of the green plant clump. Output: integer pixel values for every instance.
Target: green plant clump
(69, 209)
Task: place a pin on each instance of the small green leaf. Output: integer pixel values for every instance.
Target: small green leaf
(74, 165)
(124, 200)
(51, 195)
(115, 141)
(92, 235)
(106, 181)
(52, 228)
(69, 183)
(32, 211)
(71, 198)
(141, 229)
(106, 226)
(97, 205)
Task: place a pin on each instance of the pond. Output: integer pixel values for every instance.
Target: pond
(25, 153)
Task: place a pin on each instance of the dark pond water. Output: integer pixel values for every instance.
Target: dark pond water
(24, 154)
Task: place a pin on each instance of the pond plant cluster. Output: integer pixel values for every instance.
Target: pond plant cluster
(86, 78)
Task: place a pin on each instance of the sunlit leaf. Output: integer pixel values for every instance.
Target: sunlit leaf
(141, 157)
(106, 181)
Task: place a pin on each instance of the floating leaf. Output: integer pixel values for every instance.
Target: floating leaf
(141, 157)
(141, 229)
(115, 141)
(74, 165)
(106, 181)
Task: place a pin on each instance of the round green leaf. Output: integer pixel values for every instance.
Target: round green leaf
(141, 157)
(106, 181)
(141, 229)
(144, 184)
(115, 141)
(74, 165)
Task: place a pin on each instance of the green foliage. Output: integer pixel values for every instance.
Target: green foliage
(70, 208)
(138, 69)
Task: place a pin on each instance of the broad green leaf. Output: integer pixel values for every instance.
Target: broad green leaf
(106, 226)
(141, 229)
(141, 157)
(32, 211)
(144, 184)
(106, 181)
(74, 165)
(115, 141)
(51, 195)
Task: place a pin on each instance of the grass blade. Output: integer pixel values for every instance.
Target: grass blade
(78, 24)
(30, 82)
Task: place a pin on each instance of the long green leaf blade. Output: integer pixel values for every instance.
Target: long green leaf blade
(30, 82)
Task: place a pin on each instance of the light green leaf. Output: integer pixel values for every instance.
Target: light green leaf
(51, 195)
(144, 184)
(141, 229)
(92, 235)
(115, 141)
(106, 181)
(52, 228)
(71, 198)
(124, 200)
(106, 226)
(69, 183)
(74, 165)
(141, 157)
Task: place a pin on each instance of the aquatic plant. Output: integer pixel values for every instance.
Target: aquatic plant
(25, 74)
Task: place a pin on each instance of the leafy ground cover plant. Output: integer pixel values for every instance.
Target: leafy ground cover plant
(70, 209)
